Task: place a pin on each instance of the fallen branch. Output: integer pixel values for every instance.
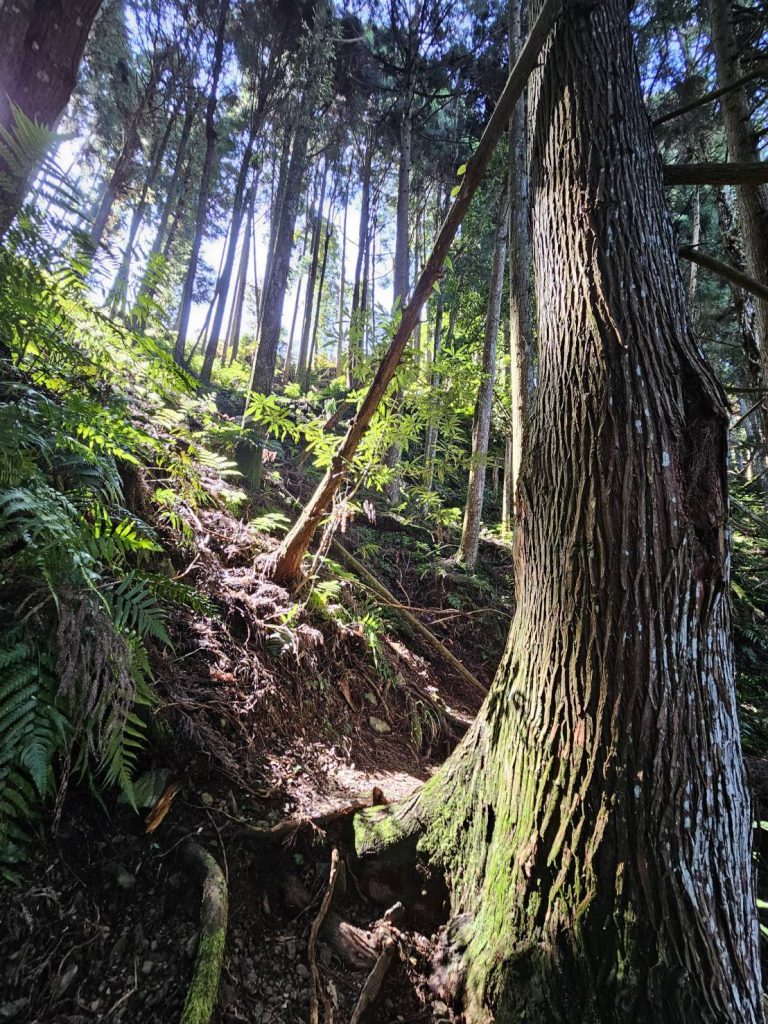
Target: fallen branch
(214, 910)
(317, 984)
(728, 273)
(352, 563)
(374, 980)
(708, 97)
(716, 174)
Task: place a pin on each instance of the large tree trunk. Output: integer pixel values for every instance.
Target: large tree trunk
(481, 427)
(41, 45)
(520, 333)
(201, 213)
(752, 200)
(594, 824)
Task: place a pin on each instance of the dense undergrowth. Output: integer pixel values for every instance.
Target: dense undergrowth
(108, 453)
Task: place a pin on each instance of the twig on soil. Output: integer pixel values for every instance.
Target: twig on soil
(374, 980)
(214, 910)
(317, 984)
(129, 993)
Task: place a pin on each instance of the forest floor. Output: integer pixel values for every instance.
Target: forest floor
(276, 715)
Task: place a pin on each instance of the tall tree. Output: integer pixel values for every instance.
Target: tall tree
(520, 326)
(594, 822)
(481, 425)
(205, 183)
(276, 280)
(752, 200)
(41, 45)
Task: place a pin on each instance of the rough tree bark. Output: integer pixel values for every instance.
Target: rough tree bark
(481, 427)
(41, 45)
(201, 213)
(594, 825)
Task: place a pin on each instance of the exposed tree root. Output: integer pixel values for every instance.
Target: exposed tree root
(290, 827)
(214, 909)
(317, 984)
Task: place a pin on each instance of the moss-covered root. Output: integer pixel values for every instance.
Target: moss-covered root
(391, 829)
(201, 996)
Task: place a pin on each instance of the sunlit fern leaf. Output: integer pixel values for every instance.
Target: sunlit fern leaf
(135, 607)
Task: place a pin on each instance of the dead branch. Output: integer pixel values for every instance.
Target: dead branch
(317, 984)
(728, 273)
(716, 174)
(374, 980)
(352, 563)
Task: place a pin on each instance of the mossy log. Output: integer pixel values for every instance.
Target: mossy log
(214, 911)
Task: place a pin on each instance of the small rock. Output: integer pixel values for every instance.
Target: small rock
(379, 725)
(206, 800)
(124, 879)
(291, 947)
(63, 981)
(153, 945)
(439, 1009)
(146, 967)
(302, 972)
(10, 1011)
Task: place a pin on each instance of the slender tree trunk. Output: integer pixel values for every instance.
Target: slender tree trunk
(401, 276)
(41, 45)
(594, 823)
(294, 318)
(175, 189)
(276, 284)
(201, 214)
(695, 239)
(119, 289)
(481, 427)
(232, 336)
(121, 172)
(313, 351)
(356, 320)
(240, 204)
(752, 200)
(342, 284)
(317, 232)
(520, 321)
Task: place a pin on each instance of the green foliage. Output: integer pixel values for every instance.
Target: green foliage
(84, 405)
